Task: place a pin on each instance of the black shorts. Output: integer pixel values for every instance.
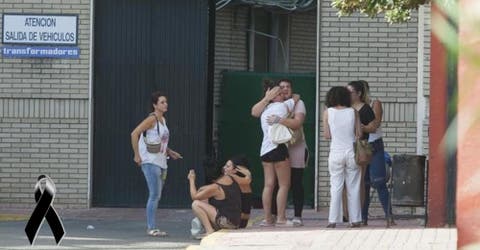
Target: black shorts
(246, 202)
(222, 222)
(278, 154)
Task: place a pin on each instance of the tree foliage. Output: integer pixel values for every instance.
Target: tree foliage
(396, 11)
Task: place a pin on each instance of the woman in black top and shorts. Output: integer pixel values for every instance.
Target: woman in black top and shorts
(241, 174)
(223, 208)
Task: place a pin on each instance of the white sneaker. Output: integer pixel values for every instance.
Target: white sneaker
(287, 223)
(297, 222)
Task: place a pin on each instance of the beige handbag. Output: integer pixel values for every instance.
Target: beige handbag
(280, 134)
(153, 148)
(363, 152)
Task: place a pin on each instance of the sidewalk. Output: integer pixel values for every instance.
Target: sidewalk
(124, 228)
(407, 234)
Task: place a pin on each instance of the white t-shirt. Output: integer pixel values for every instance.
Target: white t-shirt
(342, 128)
(160, 158)
(280, 109)
(377, 134)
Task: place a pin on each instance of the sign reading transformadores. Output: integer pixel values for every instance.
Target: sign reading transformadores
(40, 29)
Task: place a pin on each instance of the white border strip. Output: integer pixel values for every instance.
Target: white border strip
(420, 74)
(317, 96)
(90, 108)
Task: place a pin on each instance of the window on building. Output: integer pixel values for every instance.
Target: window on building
(268, 41)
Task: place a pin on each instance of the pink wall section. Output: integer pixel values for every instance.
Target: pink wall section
(468, 162)
(438, 125)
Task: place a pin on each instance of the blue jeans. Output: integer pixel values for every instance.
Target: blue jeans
(153, 176)
(375, 176)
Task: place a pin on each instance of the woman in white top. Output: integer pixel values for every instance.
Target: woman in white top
(342, 125)
(276, 166)
(152, 158)
(297, 151)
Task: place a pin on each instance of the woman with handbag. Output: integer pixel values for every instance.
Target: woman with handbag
(150, 147)
(297, 150)
(376, 174)
(341, 125)
(274, 155)
(367, 121)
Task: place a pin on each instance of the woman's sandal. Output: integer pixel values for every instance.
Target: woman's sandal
(200, 236)
(265, 223)
(156, 233)
(331, 225)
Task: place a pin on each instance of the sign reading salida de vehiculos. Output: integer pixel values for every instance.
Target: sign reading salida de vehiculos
(40, 29)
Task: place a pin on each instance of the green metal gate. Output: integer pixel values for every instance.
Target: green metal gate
(239, 132)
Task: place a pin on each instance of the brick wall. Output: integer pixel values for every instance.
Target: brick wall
(44, 110)
(231, 51)
(385, 55)
(44, 102)
(303, 42)
(351, 48)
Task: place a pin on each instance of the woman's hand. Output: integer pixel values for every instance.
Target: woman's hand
(272, 93)
(191, 175)
(137, 160)
(230, 171)
(273, 119)
(174, 155)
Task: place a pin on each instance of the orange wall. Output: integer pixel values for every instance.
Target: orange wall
(468, 161)
(438, 125)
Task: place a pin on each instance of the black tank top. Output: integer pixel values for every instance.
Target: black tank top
(366, 115)
(230, 207)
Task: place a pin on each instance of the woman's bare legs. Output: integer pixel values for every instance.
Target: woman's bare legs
(282, 170)
(363, 170)
(206, 213)
(269, 183)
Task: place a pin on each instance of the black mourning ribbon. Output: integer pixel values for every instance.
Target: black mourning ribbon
(44, 195)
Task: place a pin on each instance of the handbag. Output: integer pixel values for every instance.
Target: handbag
(297, 136)
(280, 134)
(363, 152)
(153, 148)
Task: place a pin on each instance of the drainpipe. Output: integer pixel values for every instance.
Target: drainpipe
(317, 108)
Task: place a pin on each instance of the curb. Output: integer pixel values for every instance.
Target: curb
(210, 240)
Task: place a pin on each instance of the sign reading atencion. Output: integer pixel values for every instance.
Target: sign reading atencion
(40, 29)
